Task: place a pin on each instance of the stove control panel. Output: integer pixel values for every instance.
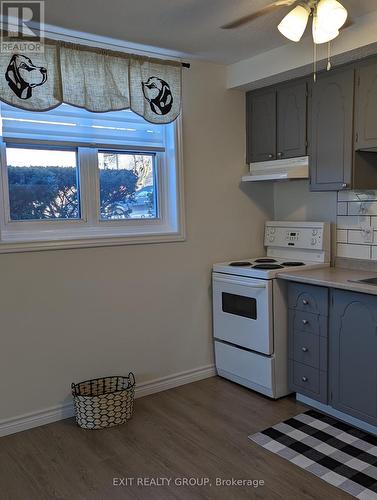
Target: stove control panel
(293, 236)
(310, 236)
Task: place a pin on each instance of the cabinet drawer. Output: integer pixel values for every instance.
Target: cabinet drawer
(305, 349)
(307, 322)
(308, 381)
(309, 350)
(309, 298)
(305, 377)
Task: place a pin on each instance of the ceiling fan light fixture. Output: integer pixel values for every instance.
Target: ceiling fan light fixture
(322, 34)
(294, 23)
(331, 14)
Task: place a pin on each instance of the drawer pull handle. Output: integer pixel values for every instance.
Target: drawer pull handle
(304, 349)
(304, 379)
(305, 321)
(305, 302)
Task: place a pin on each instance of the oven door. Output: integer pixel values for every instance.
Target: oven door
(242, 311)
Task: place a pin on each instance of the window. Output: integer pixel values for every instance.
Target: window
(42, 184)
(75, 178)
(127, 186)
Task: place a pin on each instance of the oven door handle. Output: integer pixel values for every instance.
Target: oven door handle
(235, 282)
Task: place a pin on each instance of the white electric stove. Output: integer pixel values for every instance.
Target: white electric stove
(250, 305)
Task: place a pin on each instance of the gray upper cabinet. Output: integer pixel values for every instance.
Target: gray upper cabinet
(366, 105)
(331, 158)
(353, 354)
(261, 126)
(336, 126)
(276, 122)
(292, 120)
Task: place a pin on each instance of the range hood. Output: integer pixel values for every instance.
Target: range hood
(278, 170)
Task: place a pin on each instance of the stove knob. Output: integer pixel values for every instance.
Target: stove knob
(272, 230)
(272, 238)
(314, 232)
(314, 241)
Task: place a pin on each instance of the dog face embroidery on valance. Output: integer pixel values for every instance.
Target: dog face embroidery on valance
(98, 81)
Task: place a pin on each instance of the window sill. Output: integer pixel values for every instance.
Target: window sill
(14, 245)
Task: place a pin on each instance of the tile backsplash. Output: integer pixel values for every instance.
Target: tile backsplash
(356, 234)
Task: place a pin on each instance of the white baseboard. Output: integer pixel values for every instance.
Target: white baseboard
(35, 419)
(182, 378)
(60, 412)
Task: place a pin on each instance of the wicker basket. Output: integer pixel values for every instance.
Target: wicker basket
(104, 402)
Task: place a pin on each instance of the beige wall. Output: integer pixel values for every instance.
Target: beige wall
(69, 315)
(294, 201)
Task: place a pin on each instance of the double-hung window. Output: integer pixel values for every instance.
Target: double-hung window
(70, 177)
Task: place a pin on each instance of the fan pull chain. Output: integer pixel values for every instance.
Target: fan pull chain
(314, 62)
(328, 67)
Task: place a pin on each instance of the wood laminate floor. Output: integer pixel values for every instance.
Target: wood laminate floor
(196, 431)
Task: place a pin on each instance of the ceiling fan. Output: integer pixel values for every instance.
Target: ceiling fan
(328, 17)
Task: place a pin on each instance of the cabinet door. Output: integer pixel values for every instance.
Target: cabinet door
(366, 106)
(331, 157)
(291, 120)
(261, 126)
(353, 354)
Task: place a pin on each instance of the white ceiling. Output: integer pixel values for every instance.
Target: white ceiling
(187, 26)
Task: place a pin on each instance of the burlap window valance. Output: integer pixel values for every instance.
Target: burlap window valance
(95, 79)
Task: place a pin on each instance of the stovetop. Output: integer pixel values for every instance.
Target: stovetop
(289, 246)
(264, 267)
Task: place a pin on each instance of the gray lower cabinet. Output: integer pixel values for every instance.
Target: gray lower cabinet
(333, 348)
(308, 332)
(353, 354)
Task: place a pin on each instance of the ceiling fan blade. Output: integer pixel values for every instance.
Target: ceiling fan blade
(262, 12)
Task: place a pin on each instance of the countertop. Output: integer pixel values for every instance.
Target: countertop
(333, 277)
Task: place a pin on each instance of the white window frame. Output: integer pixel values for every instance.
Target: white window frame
(90, 230)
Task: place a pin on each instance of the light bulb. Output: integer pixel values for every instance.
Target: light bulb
(331, 14)
(294, 23)
(321, 34)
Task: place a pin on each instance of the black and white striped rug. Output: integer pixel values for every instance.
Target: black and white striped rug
(336, 452)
